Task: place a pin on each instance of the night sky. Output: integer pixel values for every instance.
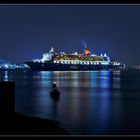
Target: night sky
(27, 31)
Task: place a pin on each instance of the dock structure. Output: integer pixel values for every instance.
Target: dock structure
(7, 97)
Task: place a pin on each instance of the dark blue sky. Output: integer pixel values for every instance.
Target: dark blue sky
(27, 31)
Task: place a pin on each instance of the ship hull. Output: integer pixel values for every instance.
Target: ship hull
(36, 66)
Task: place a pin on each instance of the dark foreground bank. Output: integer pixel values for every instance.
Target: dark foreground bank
(12, 123)
(17, 124)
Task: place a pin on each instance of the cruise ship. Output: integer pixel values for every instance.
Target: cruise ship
(85, 61)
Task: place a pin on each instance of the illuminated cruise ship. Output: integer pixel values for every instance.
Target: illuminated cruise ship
(86, 61)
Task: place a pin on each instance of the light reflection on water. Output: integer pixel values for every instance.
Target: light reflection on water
(90, 102)
(6, 76)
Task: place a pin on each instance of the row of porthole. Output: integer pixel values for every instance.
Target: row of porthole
(64, 62)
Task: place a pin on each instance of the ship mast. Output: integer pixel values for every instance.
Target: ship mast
(51, 50)
(84, 43)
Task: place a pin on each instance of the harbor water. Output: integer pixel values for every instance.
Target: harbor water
(90, 102)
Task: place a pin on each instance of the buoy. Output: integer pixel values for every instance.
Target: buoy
(54, 84)
(55, 92)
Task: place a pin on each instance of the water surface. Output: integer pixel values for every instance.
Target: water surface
(90, 103)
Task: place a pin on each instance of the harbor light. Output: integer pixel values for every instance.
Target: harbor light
(114, 63)
(6, 65)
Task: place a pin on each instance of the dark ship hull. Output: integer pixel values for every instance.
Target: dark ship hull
(39, 66)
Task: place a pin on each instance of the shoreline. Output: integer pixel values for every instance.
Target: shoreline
(13, 123)
(18, 124)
